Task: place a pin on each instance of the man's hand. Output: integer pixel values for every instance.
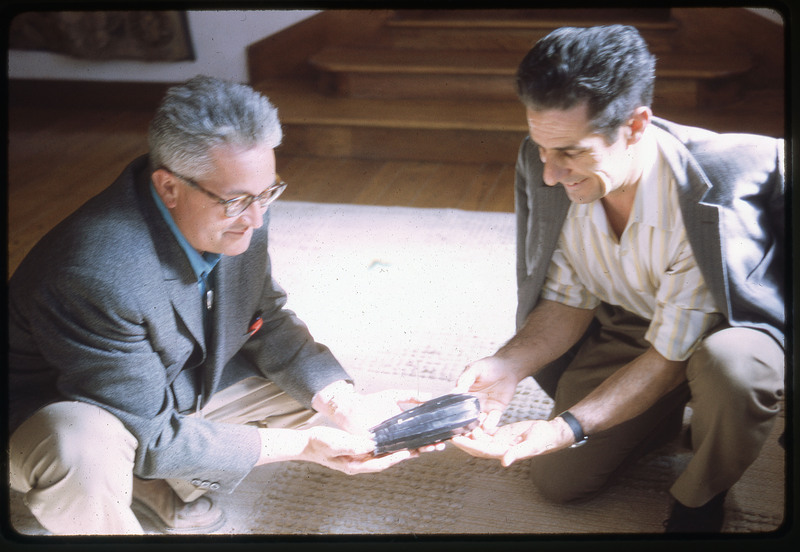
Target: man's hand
(517, 441)
(347, 453)
(326, 446)
(493, 384)
(356, 412)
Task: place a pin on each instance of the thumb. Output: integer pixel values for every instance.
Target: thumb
(465, 380)
(513, 454)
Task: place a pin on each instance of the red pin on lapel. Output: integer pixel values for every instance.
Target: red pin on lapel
(255, 324)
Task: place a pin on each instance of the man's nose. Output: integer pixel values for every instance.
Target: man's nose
(554, 172)
(254, 215)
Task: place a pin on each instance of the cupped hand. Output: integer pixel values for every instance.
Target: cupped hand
(516, 441)
(346, 452)
(493, 383)
(358, 412)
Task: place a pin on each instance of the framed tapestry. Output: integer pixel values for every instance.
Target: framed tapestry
(105, 35)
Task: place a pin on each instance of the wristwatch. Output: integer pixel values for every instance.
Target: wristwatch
(575, 426)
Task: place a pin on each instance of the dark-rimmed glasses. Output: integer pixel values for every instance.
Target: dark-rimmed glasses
(237, 205)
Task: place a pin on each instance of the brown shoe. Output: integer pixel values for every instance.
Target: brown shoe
(158, 502)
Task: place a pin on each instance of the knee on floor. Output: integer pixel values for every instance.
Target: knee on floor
(559, 484)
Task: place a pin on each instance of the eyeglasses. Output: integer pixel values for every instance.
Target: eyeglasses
(237, 205)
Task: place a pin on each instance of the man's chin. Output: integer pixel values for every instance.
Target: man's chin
(577, 197)
(235, 244)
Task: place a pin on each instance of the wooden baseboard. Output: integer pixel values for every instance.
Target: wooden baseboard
(85, 94)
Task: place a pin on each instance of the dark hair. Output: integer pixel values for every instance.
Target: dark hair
(609, 67)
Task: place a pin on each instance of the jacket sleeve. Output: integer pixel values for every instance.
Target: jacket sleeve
(282, 349)
(96, 335)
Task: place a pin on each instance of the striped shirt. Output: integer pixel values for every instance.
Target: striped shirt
(649, 271)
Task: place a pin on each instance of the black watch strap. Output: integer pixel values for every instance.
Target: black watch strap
(575, 426)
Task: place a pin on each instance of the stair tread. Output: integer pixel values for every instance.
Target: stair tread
(490, 62)
(299, 102)
(526, 19)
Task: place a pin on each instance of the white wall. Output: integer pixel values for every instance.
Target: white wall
(768, 13)
(220, 40)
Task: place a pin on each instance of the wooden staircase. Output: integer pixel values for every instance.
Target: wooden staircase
(435, 85)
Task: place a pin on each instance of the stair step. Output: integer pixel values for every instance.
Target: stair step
(517, 30)
(528, 17)
(489, 74)
(445, 130)
(298, 101)
(426, 130)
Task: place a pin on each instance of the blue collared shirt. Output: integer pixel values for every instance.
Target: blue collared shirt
(201, 264)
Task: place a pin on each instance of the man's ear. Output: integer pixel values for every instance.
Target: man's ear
(166, 187)
(638, 123)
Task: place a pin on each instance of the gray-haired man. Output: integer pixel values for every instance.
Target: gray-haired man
(149, 343)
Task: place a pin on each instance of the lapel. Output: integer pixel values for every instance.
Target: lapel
(238, 285)
(185, 299)
(222, 315)
(547, 211)
(179, 278)
(702, 215)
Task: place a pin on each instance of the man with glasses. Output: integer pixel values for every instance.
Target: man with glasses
(151, 357)
(650, 273)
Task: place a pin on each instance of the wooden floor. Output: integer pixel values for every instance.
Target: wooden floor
(59, 158)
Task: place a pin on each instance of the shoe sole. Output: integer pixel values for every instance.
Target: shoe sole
(143, 509)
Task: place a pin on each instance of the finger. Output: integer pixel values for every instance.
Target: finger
(508, 459)
(464, 443)
(409, 402)
(433, 448)
(380, 463)
(465, 380)
(491, 421)
(482, 449)
(517, 452)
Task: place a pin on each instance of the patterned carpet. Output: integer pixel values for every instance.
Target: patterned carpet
(405, 298)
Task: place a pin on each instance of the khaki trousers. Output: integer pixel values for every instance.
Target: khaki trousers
(74, 461)
(735, 382)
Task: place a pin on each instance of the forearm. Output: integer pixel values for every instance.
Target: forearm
(549, 331)
(281, 445)
(629, 392)
(325, 446)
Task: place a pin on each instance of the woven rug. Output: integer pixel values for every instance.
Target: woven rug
(405, 298)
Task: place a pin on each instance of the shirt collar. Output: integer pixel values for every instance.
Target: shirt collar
(651, 202)
(201, 264)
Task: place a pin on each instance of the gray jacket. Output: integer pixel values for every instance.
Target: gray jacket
(731, 189)
(106, 310)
